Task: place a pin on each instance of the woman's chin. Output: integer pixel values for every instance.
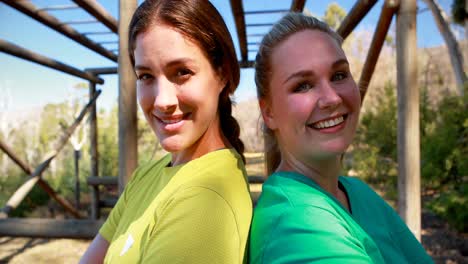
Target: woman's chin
(171, 146)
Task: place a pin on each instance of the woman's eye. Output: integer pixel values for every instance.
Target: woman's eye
(183, 72)
(144, 77)
(303, 87)
(339, 76)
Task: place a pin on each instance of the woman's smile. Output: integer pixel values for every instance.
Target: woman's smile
(330, 125)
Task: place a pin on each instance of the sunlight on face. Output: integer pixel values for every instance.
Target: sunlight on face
(177, 88)
(313, 105)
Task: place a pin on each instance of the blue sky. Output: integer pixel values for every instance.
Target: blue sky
(24, 84)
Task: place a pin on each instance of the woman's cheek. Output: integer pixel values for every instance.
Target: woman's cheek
(145, 99)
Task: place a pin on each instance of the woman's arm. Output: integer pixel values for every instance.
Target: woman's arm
(96, 251)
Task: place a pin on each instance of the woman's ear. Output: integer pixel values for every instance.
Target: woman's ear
(222, 79)
(267, 113)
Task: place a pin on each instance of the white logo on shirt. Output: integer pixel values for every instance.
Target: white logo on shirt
(128, 245)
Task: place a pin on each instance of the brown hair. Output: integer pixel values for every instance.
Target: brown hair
(199, 21)
(288, 25)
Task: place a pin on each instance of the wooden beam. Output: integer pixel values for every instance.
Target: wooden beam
(99, 12)
(42, 183)
(381, 30)
(7, 150)
(22, 53)
(49, 228)
(128, 152)
(103, 70)
(409, 189)
(238, 14)
(452, 45)
(28, 8)
(297, 5)
(357, 13)
(24, 189)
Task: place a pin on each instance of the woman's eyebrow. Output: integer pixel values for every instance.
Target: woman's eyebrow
(300, 74)
(339, 63)
(141, 68)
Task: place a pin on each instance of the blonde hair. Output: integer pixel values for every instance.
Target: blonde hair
(287, 26)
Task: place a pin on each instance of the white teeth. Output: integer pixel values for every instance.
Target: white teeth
(172, 121)
(329, 123)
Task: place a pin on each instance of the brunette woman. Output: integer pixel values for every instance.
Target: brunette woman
(193, 205)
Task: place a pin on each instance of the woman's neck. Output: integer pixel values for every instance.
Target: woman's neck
(324, 172)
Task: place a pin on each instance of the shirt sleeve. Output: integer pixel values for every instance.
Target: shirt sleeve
(401, 235)
(196, 226)
(405, 239)
(312, 235)
(109, 227)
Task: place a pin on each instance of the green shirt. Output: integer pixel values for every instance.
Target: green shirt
(198, 212)
(296, 221)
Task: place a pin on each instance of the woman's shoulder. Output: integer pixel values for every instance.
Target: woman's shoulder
(221, 172)
(358, 187)
(293, 189)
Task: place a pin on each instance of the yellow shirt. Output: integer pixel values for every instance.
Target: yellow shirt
(198, 212)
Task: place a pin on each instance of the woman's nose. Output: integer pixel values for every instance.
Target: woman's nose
(329, 98)
(166, 96)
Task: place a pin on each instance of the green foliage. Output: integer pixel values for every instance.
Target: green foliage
(108, 145)
(334, 15)
(458, 12)
(444, 150)
(375, 142)
(451, 204)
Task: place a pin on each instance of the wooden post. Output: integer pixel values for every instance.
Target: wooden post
(24, 189)
(239, 18)
(94, 154)
(452, 45)
(409, 190)
(42, 183)
(49, 228)
(128, 154)
(381, 30)
(77, 178)
(355, 15)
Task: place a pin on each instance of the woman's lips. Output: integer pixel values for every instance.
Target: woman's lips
(172, 123)
(330, 125)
